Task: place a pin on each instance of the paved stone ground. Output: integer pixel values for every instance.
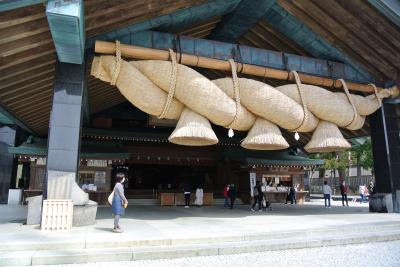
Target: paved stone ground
(153, 222)
(365, 255)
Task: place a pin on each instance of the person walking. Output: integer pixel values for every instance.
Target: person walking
(344, 189)
(199, 197)
(326, 189)
(361, 191)
(232, 194)
(291, 195)
(226, 196)
(257, 196)
(119, 202)
(187, 189)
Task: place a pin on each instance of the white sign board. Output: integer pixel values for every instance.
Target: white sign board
(252, 182)
(96, 163)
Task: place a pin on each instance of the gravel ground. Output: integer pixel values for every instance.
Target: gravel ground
(373, 254)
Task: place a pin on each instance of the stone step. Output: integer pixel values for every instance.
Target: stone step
(115, 241)
(112, 254)
(144, 202)
(221, 201)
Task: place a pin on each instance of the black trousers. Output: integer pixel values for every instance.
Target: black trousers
(232, 202)
(257, 199)
(344, 197)
(187, 199)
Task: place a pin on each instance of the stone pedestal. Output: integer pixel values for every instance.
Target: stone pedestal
(85, 214)
(14, 196)
(34, 210)
(381, 202)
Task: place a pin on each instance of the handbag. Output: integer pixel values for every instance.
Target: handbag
(110, 198)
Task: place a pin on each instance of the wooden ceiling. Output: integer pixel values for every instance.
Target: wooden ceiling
(27, 53)
(355, 28)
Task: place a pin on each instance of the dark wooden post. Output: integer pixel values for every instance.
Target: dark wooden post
(8, 163)
(386, 152)
(65, 130)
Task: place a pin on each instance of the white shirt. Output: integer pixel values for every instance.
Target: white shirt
(326, 189)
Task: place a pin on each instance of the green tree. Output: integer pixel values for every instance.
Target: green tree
(363, 154)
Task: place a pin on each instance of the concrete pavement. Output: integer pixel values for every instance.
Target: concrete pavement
(170, 231)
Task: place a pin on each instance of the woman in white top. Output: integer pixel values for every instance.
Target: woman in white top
(119, 201)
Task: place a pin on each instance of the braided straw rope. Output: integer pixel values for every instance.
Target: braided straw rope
(235, 102)
(236, 92)
(346, 90)
(302, 99)
(172, 85)
(118, 62)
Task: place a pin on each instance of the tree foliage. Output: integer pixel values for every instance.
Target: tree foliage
(363, 155)
(357, 155)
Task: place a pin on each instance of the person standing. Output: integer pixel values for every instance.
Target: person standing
(292, 195)
(326, 189)
(187, 189)
(232, 194)
(257, 196)
(199, 197)
(371, 188)
(226, 196)
(344, 189)
(119, 201)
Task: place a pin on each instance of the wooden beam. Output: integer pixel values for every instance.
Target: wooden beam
(333, 26)
(212, 63)
(8, 114)
(390, 8)
(7, 5)
(373, 19)
(367, 35)
(44, 86)
(246, 14)
(328, 36)
(66, 22)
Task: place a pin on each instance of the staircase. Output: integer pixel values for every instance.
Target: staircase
(97, 250)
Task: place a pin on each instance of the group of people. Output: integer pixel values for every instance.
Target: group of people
(260, 196)
(364, 191)
(187, 190)
(229, 195)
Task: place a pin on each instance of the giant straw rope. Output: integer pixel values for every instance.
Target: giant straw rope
(166, 88)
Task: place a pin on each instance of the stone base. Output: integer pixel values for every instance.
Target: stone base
(34, 210)
(396, 205)
(85, 214)
(381, 202)
(14, 196)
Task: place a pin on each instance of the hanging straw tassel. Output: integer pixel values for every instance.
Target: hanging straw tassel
(193, 130)
(326, 138)
(264, 135)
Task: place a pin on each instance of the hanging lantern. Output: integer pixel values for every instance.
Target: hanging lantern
(296, 136)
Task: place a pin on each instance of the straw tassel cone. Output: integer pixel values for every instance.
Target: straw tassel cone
(326, 138)
(193, 130)
(264, 135)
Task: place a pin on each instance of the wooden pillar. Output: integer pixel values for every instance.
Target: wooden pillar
(64, 133)
(386, 152)
(8, 163)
